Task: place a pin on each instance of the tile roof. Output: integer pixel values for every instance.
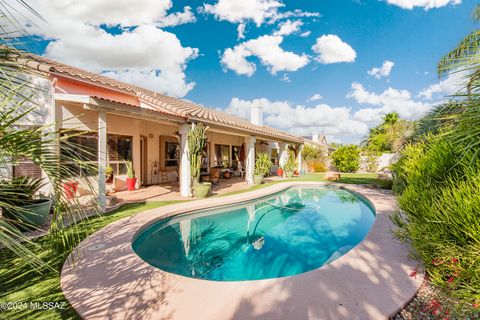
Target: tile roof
(156, 101)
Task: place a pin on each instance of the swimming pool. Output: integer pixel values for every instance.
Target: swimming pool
(287, 233)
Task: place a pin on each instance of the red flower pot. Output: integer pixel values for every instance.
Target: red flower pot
(280, 172)
(131, 182)
(70, 189)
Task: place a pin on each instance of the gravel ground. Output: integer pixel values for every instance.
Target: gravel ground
(432, 303)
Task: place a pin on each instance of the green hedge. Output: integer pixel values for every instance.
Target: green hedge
(439, 191)
(346, 158)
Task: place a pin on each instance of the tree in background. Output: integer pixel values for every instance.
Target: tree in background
(346, 158)
(315, 158)
(389, 136)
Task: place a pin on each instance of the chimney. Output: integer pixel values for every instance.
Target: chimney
(256, 115)
(315, 136)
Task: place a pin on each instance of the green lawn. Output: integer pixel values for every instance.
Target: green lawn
(21, 283)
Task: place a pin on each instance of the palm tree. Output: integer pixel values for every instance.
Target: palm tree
(38, 144)
(460, 118)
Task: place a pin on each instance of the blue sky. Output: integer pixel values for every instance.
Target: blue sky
(180, 49)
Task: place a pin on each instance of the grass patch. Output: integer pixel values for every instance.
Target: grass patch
(349, 178)
(21, 283)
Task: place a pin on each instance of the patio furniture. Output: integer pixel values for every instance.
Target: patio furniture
(215, 176)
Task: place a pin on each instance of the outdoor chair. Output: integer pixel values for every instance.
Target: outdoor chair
(215, 176)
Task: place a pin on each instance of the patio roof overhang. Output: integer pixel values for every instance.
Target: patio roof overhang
(124, 109)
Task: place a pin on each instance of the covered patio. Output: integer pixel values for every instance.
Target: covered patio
(171, 192)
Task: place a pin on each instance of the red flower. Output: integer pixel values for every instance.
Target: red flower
(450, 280)
(454, 260)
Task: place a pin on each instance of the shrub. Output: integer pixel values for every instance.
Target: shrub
(317, 166)
(371, 161)
(290, 164)
(438, 186)
(346, 158)
(263, 164)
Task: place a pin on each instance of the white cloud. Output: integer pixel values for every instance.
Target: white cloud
(288, 27)
(315, 97)
(426, 4)
(305, 34)
(256, 11)
(285, 78)
(235, 59)
(302, 120)
(383, 71)
(141, 53)
(448, 86)
(388, 101)
(112, 13)
(331, 49)
(267, 49)
(241, 12)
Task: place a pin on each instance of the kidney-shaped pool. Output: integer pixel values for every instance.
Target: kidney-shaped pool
(287, 233)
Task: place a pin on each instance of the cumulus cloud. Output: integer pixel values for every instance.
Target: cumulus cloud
(383, 71)
(236, 11)
(140, 52)
(390, 100)
(331, 49)
(448, 86)
(255, 11)
(288, 27)
(267, 49)
(315, 97)
(302, 120)
(426, 4)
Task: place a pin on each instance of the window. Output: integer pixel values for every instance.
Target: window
(222, 152)
(235, 156)
(274, 156)
(206, 158)
(85, 147)
(172, 154)
(119, 152)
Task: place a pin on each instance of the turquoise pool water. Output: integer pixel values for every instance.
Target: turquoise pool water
(291, 232)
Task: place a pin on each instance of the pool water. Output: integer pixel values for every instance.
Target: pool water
(288, 233)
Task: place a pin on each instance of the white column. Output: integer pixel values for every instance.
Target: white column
(283, 153)
(299, 158)
(102, 158)
(185, 178)
(250, 161)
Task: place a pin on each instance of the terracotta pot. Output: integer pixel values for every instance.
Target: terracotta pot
(131, 182)
(70, 189)
(280, 172)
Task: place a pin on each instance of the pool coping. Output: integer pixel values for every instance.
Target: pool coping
(374, 280)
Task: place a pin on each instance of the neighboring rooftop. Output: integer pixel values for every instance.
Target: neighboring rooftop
(156, 101)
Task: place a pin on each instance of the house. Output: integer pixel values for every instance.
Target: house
(127, 122)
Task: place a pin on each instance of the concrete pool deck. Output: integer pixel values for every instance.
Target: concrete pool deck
(371, 281)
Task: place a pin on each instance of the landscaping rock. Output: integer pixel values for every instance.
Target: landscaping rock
(332, 176)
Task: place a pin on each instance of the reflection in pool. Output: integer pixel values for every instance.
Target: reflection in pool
(291, 232)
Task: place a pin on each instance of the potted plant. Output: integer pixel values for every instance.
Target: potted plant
(280, 171)
(197, 139)
(131, 179)
(289, 166)
(263, 164)
(22, 206)
(109, 174)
